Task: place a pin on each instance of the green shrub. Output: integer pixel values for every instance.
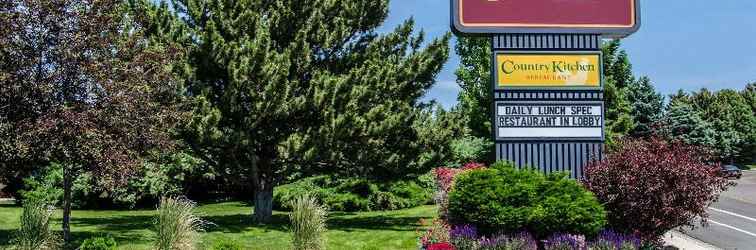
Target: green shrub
(34, 232)
(99, 243)
(227, 244)
(308, 223)
(469, 149)
(177, 224)
(354, 194)
(502, 198)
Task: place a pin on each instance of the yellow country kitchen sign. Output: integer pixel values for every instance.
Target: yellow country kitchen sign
(548, 70)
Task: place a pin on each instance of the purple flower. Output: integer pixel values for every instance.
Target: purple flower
(465, 231)
(565, 242)
(522, 240)
(609, 239)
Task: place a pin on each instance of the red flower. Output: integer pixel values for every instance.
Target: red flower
(440, 246)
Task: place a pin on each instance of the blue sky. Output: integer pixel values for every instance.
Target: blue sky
(682, 44)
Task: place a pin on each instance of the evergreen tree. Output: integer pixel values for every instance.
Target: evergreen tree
(83, 89)
(474, 78)
(732, 120)
(305, 86)
(646, 106)
(683, 123)
(618, 75)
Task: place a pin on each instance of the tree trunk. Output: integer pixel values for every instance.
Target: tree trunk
(262, 182)
(66, 205)
(263, 205)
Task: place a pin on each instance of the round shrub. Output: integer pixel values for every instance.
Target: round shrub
(99, 243)
(504, 199)
(652, 186)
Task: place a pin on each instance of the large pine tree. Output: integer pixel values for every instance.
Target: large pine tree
(306, 86)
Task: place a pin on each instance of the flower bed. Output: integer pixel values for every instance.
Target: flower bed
(443, 235)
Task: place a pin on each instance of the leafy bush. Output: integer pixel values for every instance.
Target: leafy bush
(45, 186)
(308, 223)
(503, 198)
(651, 186)
(162, 177)
(177, 224)
(444, 179)
(353, 194)
(99, 243)
(34, 232)
(470, 149)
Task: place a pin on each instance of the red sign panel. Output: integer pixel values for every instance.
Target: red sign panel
(608, 17)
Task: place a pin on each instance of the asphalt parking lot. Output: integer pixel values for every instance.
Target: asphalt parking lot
(732, 221)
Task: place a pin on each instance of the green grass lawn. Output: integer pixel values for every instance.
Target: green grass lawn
(231, 221)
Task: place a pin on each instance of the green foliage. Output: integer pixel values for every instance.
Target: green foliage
(646, 106)
(99, 243)
(308, 223)
(503, 198)
(34, 232)
(299, 86)
(474, 77)
(728, 116)
(227, 244)
(682, 123)
(354, 194)
(177, 225)
(45, 186)
(470, 149)
(170, 175)
(618, 76)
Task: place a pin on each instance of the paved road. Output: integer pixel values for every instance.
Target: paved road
(732, 224)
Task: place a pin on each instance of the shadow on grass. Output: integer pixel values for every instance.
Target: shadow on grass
(116, 223)
(378, 222)
(238, 223)
(77, 237)
(9, 205)
(243, 222)
(5, 237)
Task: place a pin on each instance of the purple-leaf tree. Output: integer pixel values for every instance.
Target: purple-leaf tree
(651, 186)
(80, 86)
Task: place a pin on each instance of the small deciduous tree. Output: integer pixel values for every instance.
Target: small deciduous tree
(474, 77)
(81, 87)
(652, 186)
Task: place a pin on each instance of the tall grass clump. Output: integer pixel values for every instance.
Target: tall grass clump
(34, 232)
(308, 219)
(178, 225)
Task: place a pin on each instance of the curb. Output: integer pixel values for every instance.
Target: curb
(682, 241)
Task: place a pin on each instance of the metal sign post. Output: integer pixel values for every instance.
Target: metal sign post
(547, 76)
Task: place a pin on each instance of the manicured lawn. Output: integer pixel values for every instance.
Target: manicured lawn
(231, 221)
